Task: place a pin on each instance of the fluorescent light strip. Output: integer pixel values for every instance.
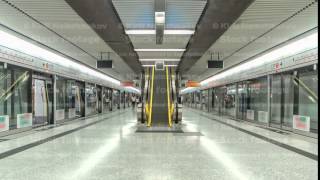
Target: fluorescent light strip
(304, 44)
(141, 31)
(160, 50)
(179, 32)
(159, 59)
(133, 89)
(153, 32)
(172, 65)
(13, 42)
(186, 90)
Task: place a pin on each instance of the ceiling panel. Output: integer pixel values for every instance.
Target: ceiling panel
(183, 14)
(263, 25)
(169, 41)
(67, 33)
(136, 14)
(159, 55)
(139, 14)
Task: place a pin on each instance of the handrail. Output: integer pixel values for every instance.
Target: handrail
(151, 100)
(306, 88)
(168, 96)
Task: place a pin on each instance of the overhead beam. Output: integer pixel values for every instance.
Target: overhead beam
(160, 19)
(217, 17)
(104, 20)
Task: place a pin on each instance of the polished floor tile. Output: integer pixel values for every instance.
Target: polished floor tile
(112, 149)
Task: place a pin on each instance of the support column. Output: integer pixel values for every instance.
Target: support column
(269, 98)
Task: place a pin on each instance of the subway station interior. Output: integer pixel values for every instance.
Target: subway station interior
(159, 89)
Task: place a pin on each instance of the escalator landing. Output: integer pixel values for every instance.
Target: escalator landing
(159, 129)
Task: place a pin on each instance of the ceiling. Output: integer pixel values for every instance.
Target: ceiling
(140, 14)
(57, 25)
(265, 24)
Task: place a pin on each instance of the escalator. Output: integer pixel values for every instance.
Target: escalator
(160, 101)
(159, 107)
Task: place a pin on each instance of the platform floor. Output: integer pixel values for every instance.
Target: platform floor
(108, 147)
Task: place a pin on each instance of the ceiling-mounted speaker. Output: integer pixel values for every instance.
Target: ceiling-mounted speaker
(215, 64)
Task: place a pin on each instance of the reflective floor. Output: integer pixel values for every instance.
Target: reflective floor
(111, 149)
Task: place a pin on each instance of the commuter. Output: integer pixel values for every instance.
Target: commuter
(137, 100)
(133, 101)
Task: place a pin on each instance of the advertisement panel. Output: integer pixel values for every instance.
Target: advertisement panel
(72, 113)
(301, 123)
(4, 123)
(250, 114)
(263, 116)
(24, 120)
(60, 114)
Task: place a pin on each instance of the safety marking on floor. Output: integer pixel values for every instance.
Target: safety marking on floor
(277, 143)
(158, 131)
(189, 134)
(51, 138)
(274, 130)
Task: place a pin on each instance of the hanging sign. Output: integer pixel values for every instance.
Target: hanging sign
(192, 84)
(4, 123)
(127, 83)
(301, 122)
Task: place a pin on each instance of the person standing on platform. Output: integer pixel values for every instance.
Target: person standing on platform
(137, 100)
(133, 101)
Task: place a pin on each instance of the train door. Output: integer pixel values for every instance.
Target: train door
(42, 100)
(242, 99)
(281, 101)
(294, 101)
(80, 99)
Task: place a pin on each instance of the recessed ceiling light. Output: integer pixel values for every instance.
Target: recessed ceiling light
(153, 32)
(159, 50)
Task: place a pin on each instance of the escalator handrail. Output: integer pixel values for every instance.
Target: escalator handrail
(151, 99)
(168, 96)
(307, 89)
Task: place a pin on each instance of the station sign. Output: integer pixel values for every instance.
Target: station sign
(4, 123)
(301, 123)
(127, 83)
(24, 120)
(103, 64)
(215, 64)
(278, 66)
(190, 83)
